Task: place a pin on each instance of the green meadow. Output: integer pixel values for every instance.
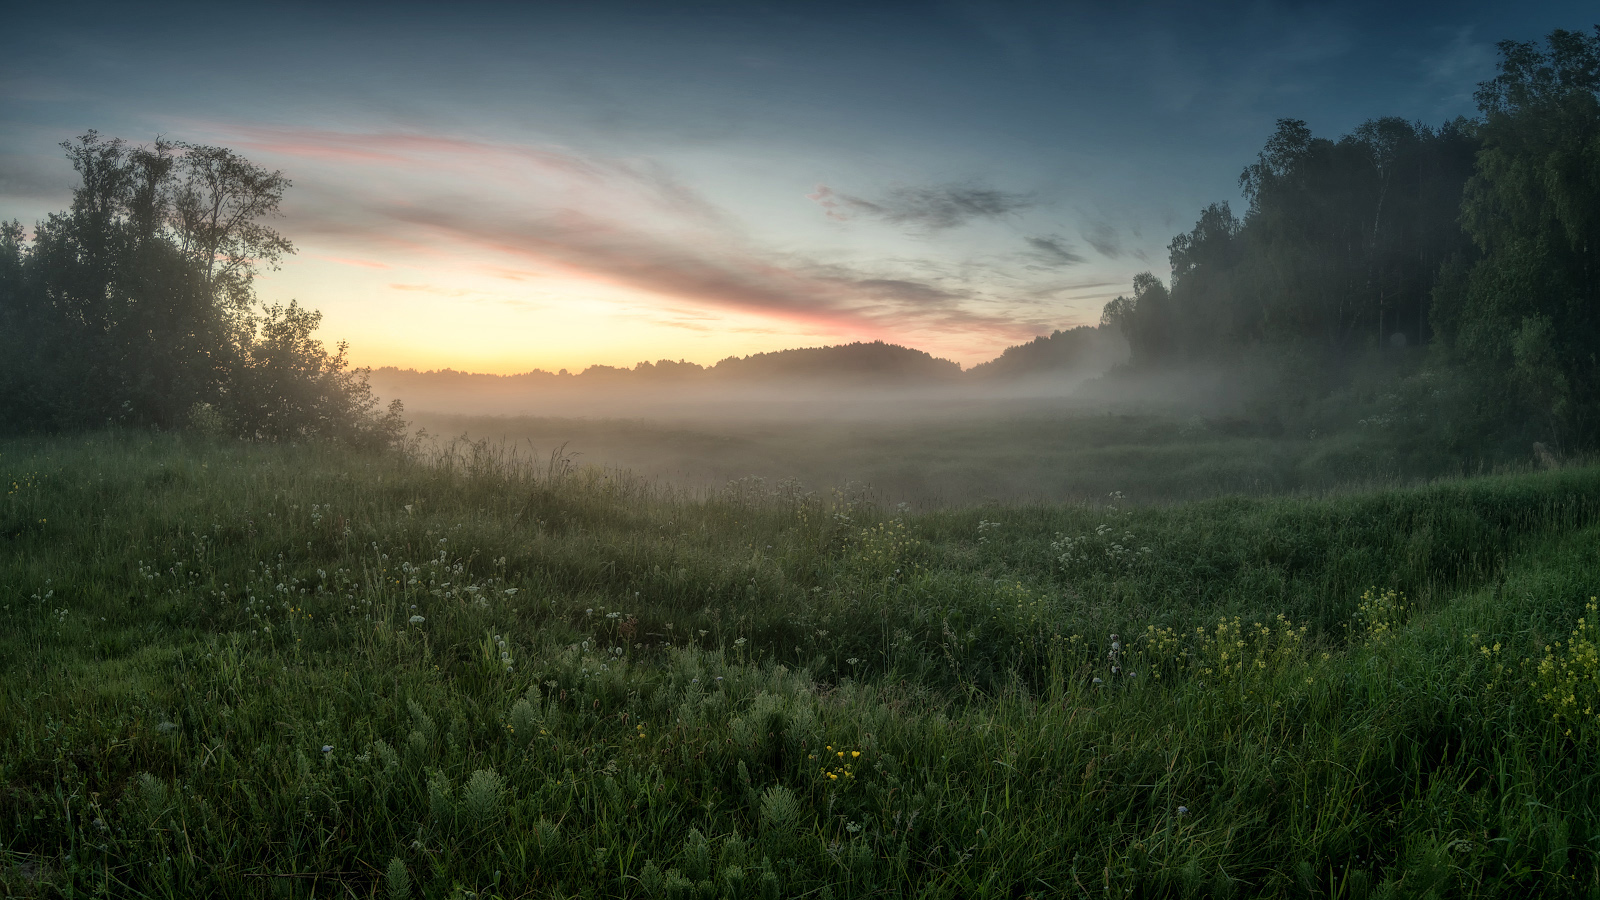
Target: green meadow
(994, 451)
(256, 670)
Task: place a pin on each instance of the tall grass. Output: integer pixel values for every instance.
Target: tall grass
(243, 670)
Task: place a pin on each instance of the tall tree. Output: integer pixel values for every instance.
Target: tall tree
(218, 208)
(1212, 313)
(1530, 308)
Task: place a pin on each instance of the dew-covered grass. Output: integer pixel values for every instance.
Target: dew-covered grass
(243, 670)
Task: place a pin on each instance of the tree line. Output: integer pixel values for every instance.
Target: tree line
(136, 307)
(1471, 250)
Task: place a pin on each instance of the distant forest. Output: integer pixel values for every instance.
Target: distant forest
(1087, 349)
(1437, 286)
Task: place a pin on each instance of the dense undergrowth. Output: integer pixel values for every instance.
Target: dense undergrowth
(246, 670)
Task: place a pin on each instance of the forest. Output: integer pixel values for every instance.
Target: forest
(1477, 241)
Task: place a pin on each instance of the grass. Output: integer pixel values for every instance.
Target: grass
(238, 670)
(1004, 451)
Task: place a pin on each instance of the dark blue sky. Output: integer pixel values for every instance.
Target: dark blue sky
(499, 187)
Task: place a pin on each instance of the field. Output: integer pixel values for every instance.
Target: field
(952, 453)
(257, 670)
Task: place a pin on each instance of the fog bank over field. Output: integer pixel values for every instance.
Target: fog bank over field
(854, 381)
(756, 402)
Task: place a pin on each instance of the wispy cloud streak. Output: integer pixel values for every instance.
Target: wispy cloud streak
(627, 223)
(931, 208)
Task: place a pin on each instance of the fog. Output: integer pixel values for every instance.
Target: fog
(1046, 440)
(782, 402)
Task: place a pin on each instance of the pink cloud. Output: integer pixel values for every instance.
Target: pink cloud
(626, 224)
(726, 277)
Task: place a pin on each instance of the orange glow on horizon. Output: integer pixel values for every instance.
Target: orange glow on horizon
(483, 322)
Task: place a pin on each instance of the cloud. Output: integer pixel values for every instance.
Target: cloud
(540, 213)
(1103, 237)
(907, 291)
(578, 179)
(1055, 290)
(1053, 252)
(729, 276)
(35, 177)
(931, 208)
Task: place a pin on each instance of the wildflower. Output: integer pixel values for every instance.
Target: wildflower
(417, 620)
(327, 748)
(1098, 681)
(1183, 810)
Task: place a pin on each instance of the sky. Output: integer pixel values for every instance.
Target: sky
(504, 187)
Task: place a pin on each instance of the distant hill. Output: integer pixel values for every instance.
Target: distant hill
(876, 361)
(860, 361)
(1085, 350)
(1060, 359)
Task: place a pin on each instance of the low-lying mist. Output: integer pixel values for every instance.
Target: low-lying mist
(745, 403)
(902, 427)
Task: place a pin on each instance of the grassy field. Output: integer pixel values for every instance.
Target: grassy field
(994, 452)
(238, 670)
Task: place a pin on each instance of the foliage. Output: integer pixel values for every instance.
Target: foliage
(136, 307)
(1085, 350)
(1478, 239)
(1529, 313)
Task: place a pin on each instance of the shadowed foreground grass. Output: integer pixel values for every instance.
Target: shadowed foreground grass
(270, 671)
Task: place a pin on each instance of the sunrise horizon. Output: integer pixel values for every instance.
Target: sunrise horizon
(476, 193)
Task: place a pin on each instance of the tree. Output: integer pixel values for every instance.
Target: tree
(1145, 319)
(1343, 240)
(1212, 314)
(1529, 313)
(136, 306)
(217, 213)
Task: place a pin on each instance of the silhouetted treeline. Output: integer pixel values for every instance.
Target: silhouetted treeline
(1064, 356)
(1479, 240)
(136, 307)
(875, 362)
(1084, 350)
